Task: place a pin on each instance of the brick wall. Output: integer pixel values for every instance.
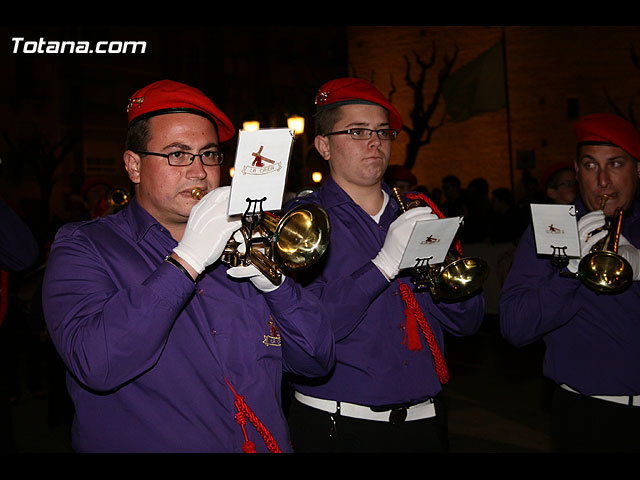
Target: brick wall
(552, 72)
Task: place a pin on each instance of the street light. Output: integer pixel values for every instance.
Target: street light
(251, 125)
(296, 123)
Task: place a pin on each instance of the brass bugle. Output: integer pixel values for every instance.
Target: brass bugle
(602, 269)
(116, 200)
(455, 278)
(293, 242)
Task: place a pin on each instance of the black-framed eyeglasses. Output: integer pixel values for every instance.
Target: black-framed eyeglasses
(209, 158)
(367, 133)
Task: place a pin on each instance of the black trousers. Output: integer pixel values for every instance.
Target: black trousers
(314, 430)
(582, 424)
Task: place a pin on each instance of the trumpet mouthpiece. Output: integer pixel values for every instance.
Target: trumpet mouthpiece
(603, 201)
(197, 193)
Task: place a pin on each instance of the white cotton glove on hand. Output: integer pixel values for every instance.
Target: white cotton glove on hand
(208, 230)
(631, 254)
(587, 224)
(389, 257)
(259, 280)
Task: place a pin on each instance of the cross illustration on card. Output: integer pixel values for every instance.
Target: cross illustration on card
(257, 162)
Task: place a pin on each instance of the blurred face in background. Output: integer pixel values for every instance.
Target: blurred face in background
(563, 188)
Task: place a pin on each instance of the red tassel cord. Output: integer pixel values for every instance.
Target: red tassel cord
(414, 315)
(244, 413)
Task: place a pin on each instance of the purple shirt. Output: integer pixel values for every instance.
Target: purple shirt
(592, 340)
(149, 352)
(374, 365)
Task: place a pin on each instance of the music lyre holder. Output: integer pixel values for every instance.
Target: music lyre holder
(559, 258)
(251, 218)
(420, 274)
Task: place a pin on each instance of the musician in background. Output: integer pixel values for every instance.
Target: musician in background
(559, 184)
(592, 339)
(166, 353)
(382, 395)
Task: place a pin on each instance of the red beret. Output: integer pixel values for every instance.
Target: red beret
(348, 91)
(609, 129)
(167, 96)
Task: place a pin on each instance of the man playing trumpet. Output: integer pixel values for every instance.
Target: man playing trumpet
(592, 339)
(164, 352)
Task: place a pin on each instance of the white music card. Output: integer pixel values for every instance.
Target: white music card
(555, 229)
(260, 169)
(430, 240)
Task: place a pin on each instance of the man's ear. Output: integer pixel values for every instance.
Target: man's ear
(322, 146)
(132, 164)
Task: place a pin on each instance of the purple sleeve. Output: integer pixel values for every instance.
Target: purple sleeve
(535, 299)
(307, 337)
(108, 333)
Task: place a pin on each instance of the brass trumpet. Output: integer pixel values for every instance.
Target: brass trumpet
(602, 269)
(117, 199)
(453, 279)
(274, 244)
(114, 201)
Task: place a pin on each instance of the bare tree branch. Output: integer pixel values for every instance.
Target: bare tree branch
(420, 129)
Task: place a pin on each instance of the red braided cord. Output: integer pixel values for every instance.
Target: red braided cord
(414, 310)
(269, 441)
(243, 412)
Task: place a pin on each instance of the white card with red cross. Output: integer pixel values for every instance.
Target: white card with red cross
(430, 241)
(260, 170)
(555, 229)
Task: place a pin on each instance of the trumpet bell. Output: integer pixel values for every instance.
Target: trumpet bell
(602, 269)
(460, 278)
(605, 272)
(301, 237)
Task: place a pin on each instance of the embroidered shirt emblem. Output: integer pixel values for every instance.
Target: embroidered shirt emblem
(273, 338)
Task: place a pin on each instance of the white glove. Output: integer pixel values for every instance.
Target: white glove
(256, 277)
(208, 230)
(389, 257)
(586, 225)
(631, 254)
